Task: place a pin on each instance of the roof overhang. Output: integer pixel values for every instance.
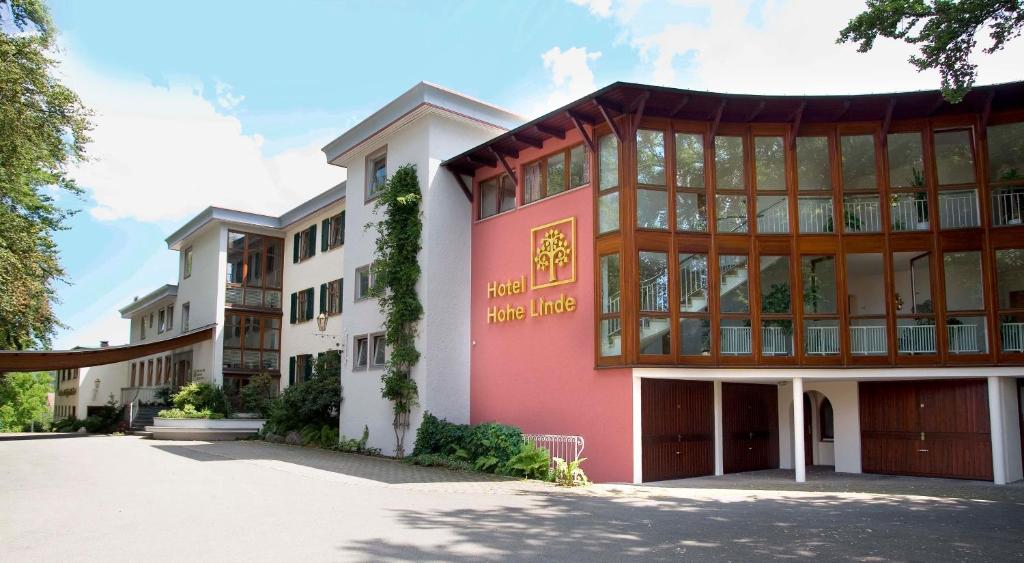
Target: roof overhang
(152, 298)
(46, 360)
(606, 104)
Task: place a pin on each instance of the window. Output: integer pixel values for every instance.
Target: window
(300, 368)
(965, 296)
(865, 304)
(151, 317)
(133, 375)
(149, 373)
(333, 234)
(376, 173)
(954, 164)
(170, 317)
(908, 198)
(251, 343)
(159, 370)
(304, 244)
(608, 184)
(691, 198)
(365, 282)
(814, 175)
(610, 333)
(361, 355)
(1006, 173)
(770, 182)
(912, 296)
(776, 306)
(826, 421)
(302, 306)
(184, 317)
(556, 173)
(186, 259)
(651, 191)
(379, 350)
(1010, 288)
(161, 321)
(142, 327)
(253, 270)
(735, 338)
(694, 320)
(655, 333)
(497, 195)
(821, 322)
(861, 211)
(330, 297)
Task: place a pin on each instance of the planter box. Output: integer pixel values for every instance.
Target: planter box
(251, 424)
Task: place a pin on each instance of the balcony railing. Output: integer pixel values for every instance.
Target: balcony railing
(735, 340)
(958, 209)
(862, 215)
(236, 294)
(916, 339)
(775, 341)
(774, 219)
(1008, 207)
(1012, 337)
(822, 340)
(815, 215)
(868, 340)
(654, 294)
(909, 213)
(963, 339)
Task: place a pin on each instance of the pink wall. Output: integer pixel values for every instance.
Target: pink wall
(538, 373)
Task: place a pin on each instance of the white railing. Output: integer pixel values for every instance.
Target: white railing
(566, 447)
(735, 340)
(958, 209)
(815, 215)
(232, 358)
(909, 213)
(862, 215)
(654, 294)
(233, 295)
(1008, 207)
(693, 284)
(822, 340)
(775, 341)
(915, 339)
(1012, 337)
(774, 219)
(962, 339)
(867, 340)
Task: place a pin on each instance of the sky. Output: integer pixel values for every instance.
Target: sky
(228, 103)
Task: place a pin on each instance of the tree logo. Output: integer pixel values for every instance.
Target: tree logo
(553, 251)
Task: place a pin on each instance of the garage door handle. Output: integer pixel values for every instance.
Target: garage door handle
(922, 450)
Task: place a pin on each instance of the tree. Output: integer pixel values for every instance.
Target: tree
(23, 401)
(552, 252)
(946, 31)
(43, 131)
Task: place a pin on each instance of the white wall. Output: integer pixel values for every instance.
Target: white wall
(844, 451)
(305, 337)
(97, 383)
(204, 291)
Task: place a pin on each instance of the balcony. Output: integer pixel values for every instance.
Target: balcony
(915, 339)
(868, 340)
(735, 340)
(815, 214)
(1011, 337)
(862, 215)
(1008, 207)
(909, 212)
(237, 295)
(958, 209)
(822, 340)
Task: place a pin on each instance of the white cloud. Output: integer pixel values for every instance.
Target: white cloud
(775, 47)
(162, 153)
(601, 8)
(226, 98)
(570, 78)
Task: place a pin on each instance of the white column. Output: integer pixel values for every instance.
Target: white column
(638, 463)
(719, 434)
(995, 415)
(798, 430)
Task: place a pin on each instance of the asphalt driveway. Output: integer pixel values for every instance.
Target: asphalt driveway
(126, 499)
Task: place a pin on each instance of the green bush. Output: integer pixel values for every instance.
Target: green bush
(189, 412)
(258, 395)
(531, 462)
(69, 424)
(163, 396)
(569, 474)
(202, 396)
(439, 460)
(488, 447)
(438, 436)
(315, 401)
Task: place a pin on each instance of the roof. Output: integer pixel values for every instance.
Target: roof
(151, 298)
(659, 101)
(220, 214)
(419, 95)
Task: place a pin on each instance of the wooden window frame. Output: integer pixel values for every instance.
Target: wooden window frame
(264, 329)
(503, 183)
(334, 304)
(542, 163)
(266, 286)
(669, 149)
(303, 298)
(334, 231)
(981, 196)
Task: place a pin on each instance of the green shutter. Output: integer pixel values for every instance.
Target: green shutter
(312, 240)
(295, 248)
(309, 303)
(308, 371)
(291, 370)
(326, 227)
(323, 298)
(342, 227)
(295, 301)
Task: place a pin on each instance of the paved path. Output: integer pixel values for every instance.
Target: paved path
(124, 499)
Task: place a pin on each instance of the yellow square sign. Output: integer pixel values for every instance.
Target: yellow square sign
(553, 254)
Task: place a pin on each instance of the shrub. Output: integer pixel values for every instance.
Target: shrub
(438, 436)
(189, 411)
(312, 402)
(353, 445)
(569, 474)
(439, 460)
(163, 396)
(488, 447)
(531, 462)
(69, 424)
(258, 395)
(202, 396)
(491, 440)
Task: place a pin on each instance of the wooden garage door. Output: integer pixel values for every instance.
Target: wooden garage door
(677, 428)
(930, 428)
(750, 423)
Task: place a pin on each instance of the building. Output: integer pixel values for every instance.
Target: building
(668, 272)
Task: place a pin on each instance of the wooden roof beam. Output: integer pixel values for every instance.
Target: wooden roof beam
(511, 153)
(482, 161)
(757, 111)
(609, 105)
(638, 113)
(583, 131)
(888, 121)
(987, 112)
(936, 105)
(608, 119)
(504, 164)
(717, 120)
(679, 106)
(796, 118)
(528, 140)
(843, 111)
(461, 182)
(550, 131)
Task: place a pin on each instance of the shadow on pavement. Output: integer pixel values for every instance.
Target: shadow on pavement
(40, 436)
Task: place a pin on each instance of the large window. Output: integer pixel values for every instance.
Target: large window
(1010, 287)
(302, 306)
(557, 173)
(651, 190)
(330, 297)
(965, 303)
(730, 185)
(611, 306)
(691, 197)
(608, 184)
(735, 338)
(954, 164)
(814, 177)
(908, 197)
(694, 320)
(364, 282)
(776, 306)
(865, 304)
(655, 335)
(1006, 173)
(861, 211)
(254, 271)
(770, 183)
(821, 322)
(251, 343)
(498, 195)
(912, 296)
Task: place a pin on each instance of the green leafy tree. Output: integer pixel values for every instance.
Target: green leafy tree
(945, 30)
(43, 131)
(23, 401)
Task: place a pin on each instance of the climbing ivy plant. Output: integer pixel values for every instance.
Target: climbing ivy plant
(396, 272)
